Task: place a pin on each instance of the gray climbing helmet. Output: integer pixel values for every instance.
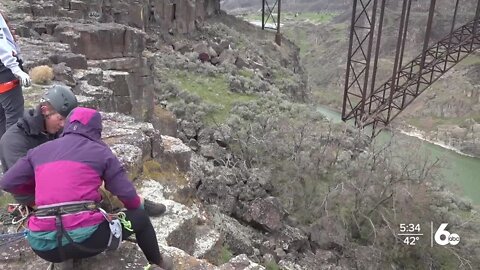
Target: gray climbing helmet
(61, 98)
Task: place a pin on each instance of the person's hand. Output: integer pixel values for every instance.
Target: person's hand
(24, 78)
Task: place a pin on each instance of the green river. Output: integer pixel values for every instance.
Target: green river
(461, 172)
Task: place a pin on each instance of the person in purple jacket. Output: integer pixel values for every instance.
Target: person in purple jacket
(44, 123)
(62, 177)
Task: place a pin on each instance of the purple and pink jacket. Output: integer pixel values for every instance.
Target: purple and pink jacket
(68, 170)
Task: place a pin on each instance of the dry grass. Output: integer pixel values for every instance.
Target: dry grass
(164, 173)
(41, 74)
(110, 202)
(167, 174)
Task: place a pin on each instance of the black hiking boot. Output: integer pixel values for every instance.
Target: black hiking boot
(154, 209)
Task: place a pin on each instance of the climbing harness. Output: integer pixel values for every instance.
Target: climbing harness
(115, 226)
(18, 214)
(115, 222)
(7, 86)
(63, 209)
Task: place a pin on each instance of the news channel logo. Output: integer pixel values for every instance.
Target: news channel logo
(444, 237)
(412, 233)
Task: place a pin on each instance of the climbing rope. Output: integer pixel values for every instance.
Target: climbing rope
(8, 238)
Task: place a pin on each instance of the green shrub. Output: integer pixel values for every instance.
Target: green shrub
(211, 90)
(225, 255)
(272, 266)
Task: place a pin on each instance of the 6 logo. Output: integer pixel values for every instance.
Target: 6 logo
(449, 238)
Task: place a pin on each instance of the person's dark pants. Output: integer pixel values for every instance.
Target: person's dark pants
(98, 241)
(11, 108)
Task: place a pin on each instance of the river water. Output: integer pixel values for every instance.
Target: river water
(461, 173)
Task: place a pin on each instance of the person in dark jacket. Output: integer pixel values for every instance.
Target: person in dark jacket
(38, 125)
(12, 77)
(62, 178)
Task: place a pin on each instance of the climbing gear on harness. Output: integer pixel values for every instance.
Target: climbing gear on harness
(115, 230)
(115, 236)
(7, 86)
(126, 223)
(24, 214)
(16, 214)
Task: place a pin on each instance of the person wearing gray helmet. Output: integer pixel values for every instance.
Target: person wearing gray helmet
(38, 125)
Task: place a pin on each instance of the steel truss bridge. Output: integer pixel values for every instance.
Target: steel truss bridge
(375, 106)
